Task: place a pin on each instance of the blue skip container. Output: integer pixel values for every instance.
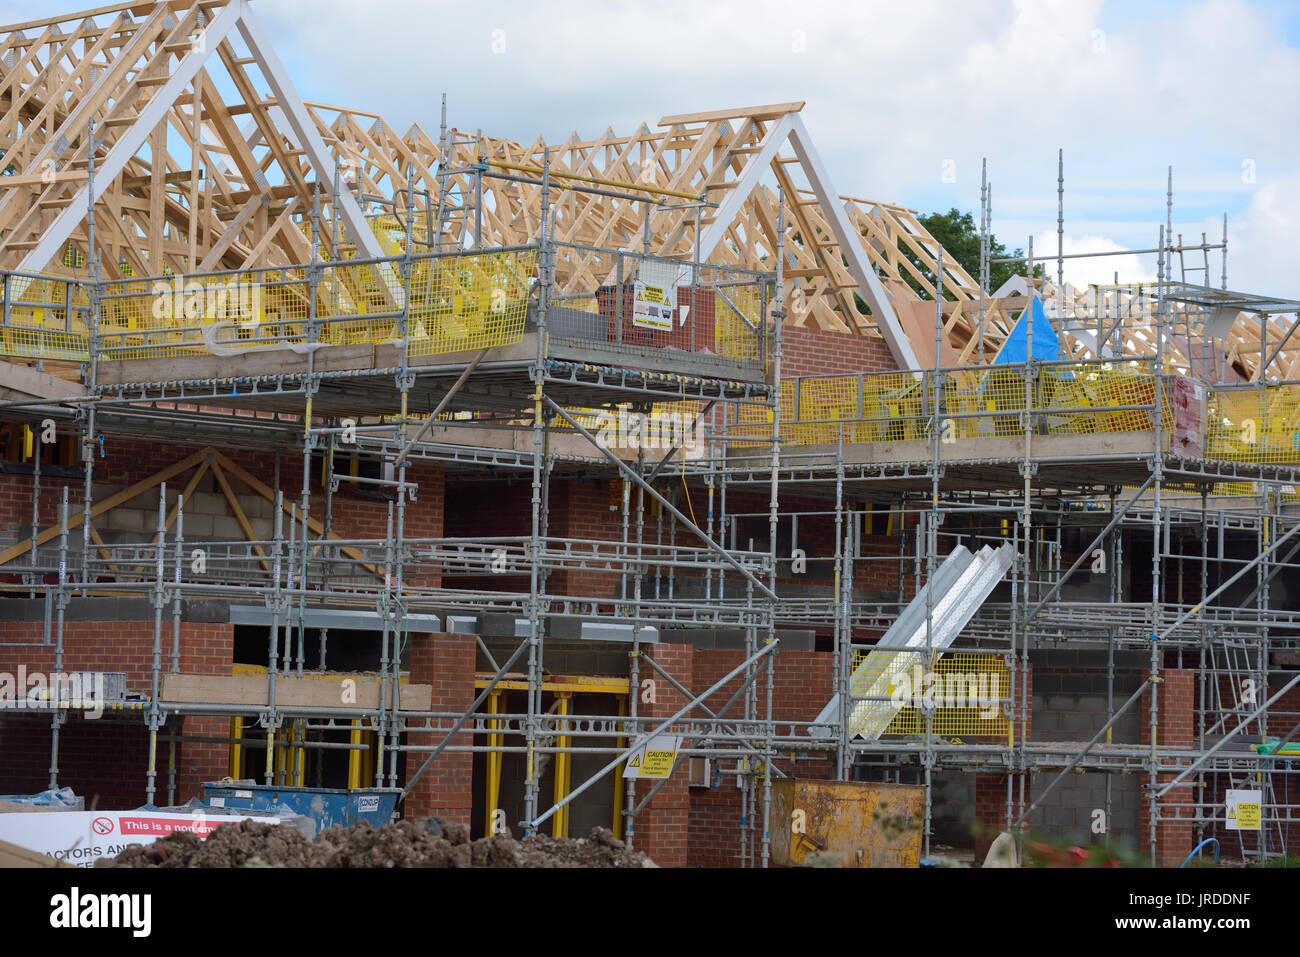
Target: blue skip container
(325, 806)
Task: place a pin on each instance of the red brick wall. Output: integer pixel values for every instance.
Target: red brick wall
(128, 462)
(125, 646)
(1283, 715)
(103, 761)
(206, 649)
(662, 829)
(1175, 717)
(109, 756)
(581, 509)
(447, 663)
(715, 821)
(802, 684)
(818, 352)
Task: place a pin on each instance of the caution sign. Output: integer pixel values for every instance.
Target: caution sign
(653, 759)
(1244, 810)
(651, 307)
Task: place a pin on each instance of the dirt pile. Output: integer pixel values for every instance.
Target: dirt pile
(431, 842)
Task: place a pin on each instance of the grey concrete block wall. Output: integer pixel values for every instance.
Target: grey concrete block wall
(207, 516)
(226, 529)
(1067, 813)
(1070, 690)
(129, 520)
(207, 503)
(953, 809)
(197, 526)
(566, 657)
(1079, 717)
(1069, 704)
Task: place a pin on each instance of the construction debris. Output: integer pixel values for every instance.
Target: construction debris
(413, 843)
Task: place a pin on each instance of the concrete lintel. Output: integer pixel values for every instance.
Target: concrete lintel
(346, 619)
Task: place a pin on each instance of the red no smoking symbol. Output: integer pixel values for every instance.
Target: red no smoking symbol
(102, 825)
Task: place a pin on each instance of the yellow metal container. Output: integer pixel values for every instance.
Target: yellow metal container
(866, 825)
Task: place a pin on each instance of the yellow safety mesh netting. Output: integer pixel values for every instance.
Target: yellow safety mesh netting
(388, 228)
(470, 301)
(1254, 425)
(220, 314)
(983, 402)
(665, 425)
(46, 318)
(739, 322)
(894, 688)
(462, 302)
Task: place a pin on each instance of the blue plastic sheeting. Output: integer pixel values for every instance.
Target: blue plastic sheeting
(1046, 345)
(62, 798)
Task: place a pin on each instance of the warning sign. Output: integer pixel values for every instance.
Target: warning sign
(651, 307)
(654, 759)
(83, 837)
(1244, 810)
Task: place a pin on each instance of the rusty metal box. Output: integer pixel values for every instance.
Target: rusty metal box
(866, 825)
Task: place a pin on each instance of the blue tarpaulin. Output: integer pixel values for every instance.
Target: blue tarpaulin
(62, 798)
(1046, 347)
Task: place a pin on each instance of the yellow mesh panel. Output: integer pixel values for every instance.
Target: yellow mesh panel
(982, 402)
(47, 318)
(1254, 425)
(212, 315)
(735, 338)
(964, 688)
(469, 301)
(462, 302)
(1065, 399)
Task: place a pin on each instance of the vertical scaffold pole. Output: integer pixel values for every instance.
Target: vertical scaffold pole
(159, 596)
(778, 318)
(1157, 460)
(92, 384)
(61, 605)
(984, 251)
(538, 374)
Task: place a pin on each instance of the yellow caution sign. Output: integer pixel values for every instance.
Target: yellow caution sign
(1245, 809)
(657, 764)
(655, 758)
(1248, 816)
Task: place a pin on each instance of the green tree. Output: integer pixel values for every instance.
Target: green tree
(957, 233)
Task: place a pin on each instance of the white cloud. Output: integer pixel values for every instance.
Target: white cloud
(1261, 241)
(1102, 269)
